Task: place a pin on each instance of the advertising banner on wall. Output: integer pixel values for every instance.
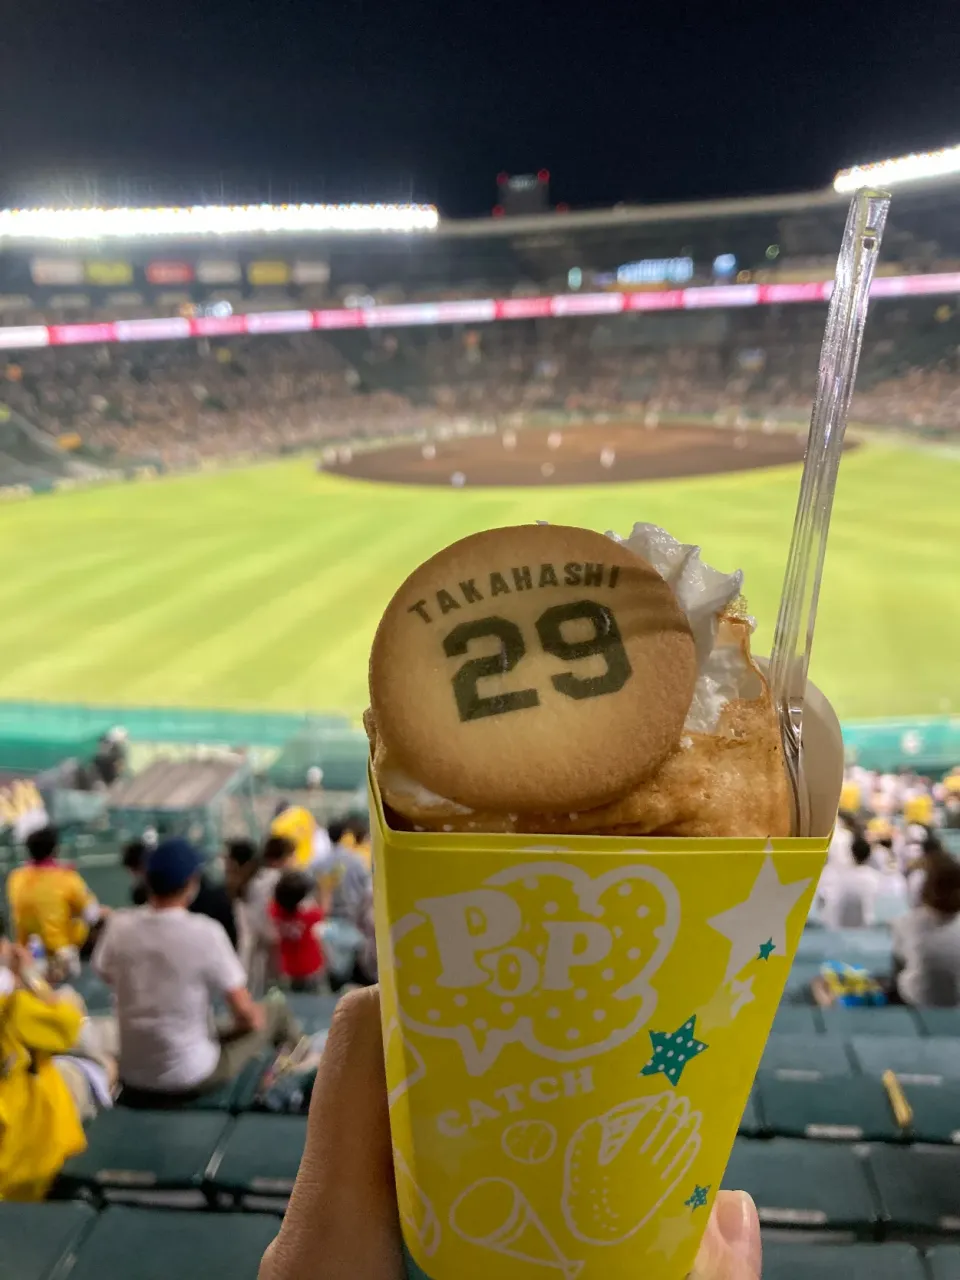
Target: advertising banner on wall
(164, 272)
(311, 272)
(218, 271)
(268, 273)
(56, 271)
(102, 272)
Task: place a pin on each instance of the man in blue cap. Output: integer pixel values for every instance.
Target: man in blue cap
(166, 966)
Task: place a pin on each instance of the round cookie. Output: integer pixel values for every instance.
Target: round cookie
(539, 668)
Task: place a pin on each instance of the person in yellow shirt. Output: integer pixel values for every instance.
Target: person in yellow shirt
(39, 1122)
(297, 824)
(850, 796)
(356, 836)
(918, 807)
(51, 901)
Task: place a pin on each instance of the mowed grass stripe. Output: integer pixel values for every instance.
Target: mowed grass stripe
(263, 586)
(152, 649)
(396, 548)
(255, 633)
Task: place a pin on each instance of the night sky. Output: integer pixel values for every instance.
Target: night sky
(367, 99)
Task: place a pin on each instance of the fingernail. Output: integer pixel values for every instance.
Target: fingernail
(739, 1225)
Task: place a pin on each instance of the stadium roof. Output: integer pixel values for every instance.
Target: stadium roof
(347, 221)
(626, 215)
(83, 224)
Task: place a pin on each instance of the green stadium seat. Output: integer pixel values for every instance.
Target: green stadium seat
(943, 1262)
(862, 1020)
(929, 1060)
(936, 1112)
(818, 945)
(847, 1109)
(939, 1022)
(97, 996)
(751, 1123)
(258, 1163)
(806, 1057)
(244, 1089)
(315, 1012)
(798, 1019)
(819, 1185)
(919, 1187)
(145, 1157)
(188, 1246)
(846, 946)
(785, 1260)
(111, 883)
(39, 1241)
(801, 975)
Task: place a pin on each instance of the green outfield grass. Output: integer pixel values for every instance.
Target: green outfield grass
(262, 587)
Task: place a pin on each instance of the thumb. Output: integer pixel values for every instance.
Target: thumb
(341, 1223)
(731, 1247)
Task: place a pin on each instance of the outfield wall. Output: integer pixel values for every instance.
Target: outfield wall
(37, 735)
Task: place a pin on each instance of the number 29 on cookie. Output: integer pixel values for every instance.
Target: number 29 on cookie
(605, 642)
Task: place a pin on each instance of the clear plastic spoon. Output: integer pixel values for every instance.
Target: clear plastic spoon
(839, 356)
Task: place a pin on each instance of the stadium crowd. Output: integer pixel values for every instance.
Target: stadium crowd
(181, 403)
(197, 964)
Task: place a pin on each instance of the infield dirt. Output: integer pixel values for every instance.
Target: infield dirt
(581, 454)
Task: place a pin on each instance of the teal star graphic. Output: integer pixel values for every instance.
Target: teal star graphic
(672, 1050)
(766, 948)
(698, 1198)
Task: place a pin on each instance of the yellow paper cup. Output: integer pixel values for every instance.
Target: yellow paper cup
(571, 1030)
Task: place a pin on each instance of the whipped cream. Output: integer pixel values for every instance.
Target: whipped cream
(703, 593)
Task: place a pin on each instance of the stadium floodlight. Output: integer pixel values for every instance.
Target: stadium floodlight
(214, 220)
(885, 173)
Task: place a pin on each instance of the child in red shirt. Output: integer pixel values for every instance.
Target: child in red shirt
(295, 916)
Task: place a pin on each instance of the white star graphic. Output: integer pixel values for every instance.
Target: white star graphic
(672, 1233)
(742, 994)
(761, 917)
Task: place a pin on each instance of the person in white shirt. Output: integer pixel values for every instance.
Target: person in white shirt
(166, 965)
(926, 941)
(346, 888)
(841, 842)
(848, 894)
(278, 856)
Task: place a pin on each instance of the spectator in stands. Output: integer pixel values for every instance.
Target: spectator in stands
(166, 965)
(848, 893)
(241, 866)
(111, 758)
(296, 917)
(918, 846)
(345, 888)
(926, 941)
(841, 842)
(298, 824)
(342, 1221)
(40, 1124)
(134, 860)
(51, 902)
(277, 855)
(212, 899)
(356, 835)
